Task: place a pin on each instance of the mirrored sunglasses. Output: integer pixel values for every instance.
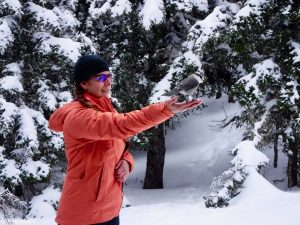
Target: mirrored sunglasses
(103, 77)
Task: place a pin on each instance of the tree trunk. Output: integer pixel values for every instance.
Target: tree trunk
(230, 96)
(155, 159)
(275, 151)
(275, 162)
(292, 164)
(294, 168)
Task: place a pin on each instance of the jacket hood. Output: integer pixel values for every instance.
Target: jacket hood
(56, 121)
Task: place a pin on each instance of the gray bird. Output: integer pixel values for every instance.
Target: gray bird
(186, 87)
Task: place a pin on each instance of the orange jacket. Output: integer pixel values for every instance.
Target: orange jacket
(94, 143)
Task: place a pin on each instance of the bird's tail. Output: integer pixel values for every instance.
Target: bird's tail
(171, 93)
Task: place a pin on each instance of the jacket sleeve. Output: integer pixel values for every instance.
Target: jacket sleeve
(129, 158)
(86, 123)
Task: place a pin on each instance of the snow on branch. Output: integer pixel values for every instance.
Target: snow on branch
(10, 7)
(116, 9)
(10, 205)
(47, 18)
(6, 35)
(251, 7)
(152, 12)
(64, 46)
(45, 204)
(187, 5)
(295, 51)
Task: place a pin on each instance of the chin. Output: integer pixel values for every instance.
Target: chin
(105, 93)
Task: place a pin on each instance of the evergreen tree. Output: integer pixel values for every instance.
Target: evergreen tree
(36, 62)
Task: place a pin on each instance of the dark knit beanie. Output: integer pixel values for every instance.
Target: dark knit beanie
(87, 66)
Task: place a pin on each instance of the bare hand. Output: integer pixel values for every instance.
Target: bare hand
(122, 170)
(177, 107)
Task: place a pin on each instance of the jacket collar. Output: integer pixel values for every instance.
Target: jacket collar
(103, 104)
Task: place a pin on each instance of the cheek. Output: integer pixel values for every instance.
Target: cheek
(96, 86)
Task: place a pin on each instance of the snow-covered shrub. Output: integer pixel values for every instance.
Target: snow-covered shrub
(45, 204)
(10, 205)
(230, 183)
(225, 187)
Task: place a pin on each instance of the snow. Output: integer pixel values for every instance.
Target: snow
(27, 130)
(42, 205)
(160, 88)
(66, 18)
(6, 36)
(86, 41)
(66, 46)
(251, 7)
(192, 59)
(9, 168)
(64, 97)
(262, 69)
(120, 7)
(296, 51)
(204, 29)
(11, 83)
(13, 5)
(46, 96)
(44, 16)
(96, 12)
(187, 5)
(196, 152)
(276, 176)
(13, 68)
(72, 4)
(35, 169)
(248, 155)
(152, 11)
(268, 67)
(293, 96)
(232, 7)
(9, 111)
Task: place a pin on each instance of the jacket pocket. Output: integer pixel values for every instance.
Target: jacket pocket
(101, 185)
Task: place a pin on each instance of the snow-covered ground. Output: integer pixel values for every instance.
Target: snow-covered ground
(196, 152)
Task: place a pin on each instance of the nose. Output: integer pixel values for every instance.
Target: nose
(108, 81)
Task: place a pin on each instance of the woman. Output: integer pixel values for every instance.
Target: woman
(95, 141)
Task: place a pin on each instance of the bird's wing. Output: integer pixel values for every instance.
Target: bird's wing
(189, 83)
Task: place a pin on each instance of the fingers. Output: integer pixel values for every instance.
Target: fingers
(121, 171)
(176, 107)
(121, 176)
(118, 164)
(172, 100)
(192, 104)
(189, 105)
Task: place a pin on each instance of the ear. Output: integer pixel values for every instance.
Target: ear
(83, 84)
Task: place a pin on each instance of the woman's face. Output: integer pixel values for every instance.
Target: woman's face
(98, 85)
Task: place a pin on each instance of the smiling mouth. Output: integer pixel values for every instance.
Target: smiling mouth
(105, 90)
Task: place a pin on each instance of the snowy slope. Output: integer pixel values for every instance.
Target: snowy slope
(260, 203)
(196, 152)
